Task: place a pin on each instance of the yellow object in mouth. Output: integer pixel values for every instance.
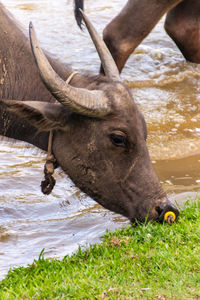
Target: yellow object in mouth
(169, 217)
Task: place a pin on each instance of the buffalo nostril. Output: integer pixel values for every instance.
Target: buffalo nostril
(167, 212)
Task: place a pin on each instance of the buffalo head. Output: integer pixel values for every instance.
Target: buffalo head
(99, 136)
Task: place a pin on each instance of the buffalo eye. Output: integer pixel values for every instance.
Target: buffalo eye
(118, 139)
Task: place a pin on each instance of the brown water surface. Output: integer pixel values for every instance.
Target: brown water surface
(167, 90)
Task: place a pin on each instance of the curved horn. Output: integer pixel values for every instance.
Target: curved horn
(106, 58)
(82, 101)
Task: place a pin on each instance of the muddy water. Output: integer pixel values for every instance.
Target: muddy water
(166, 89)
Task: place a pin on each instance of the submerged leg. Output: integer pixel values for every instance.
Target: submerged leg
(183, 26)
(126, 31)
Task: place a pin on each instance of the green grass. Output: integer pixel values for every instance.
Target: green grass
(147, 261)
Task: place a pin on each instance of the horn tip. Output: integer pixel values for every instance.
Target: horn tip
(30, 25)
(31, 29)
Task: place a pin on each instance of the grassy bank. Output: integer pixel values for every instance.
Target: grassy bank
(152, 261)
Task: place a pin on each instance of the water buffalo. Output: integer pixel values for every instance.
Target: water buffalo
(99, 135)
(138, 17)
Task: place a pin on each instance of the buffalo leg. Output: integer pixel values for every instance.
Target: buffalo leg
(183, 26)
(126, 31)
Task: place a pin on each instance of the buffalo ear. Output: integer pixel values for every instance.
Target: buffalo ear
(42, 115)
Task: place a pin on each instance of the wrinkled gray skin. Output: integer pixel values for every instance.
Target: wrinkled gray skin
(117, 174)
(119, 178)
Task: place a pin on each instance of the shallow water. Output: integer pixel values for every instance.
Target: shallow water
(166, 89)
